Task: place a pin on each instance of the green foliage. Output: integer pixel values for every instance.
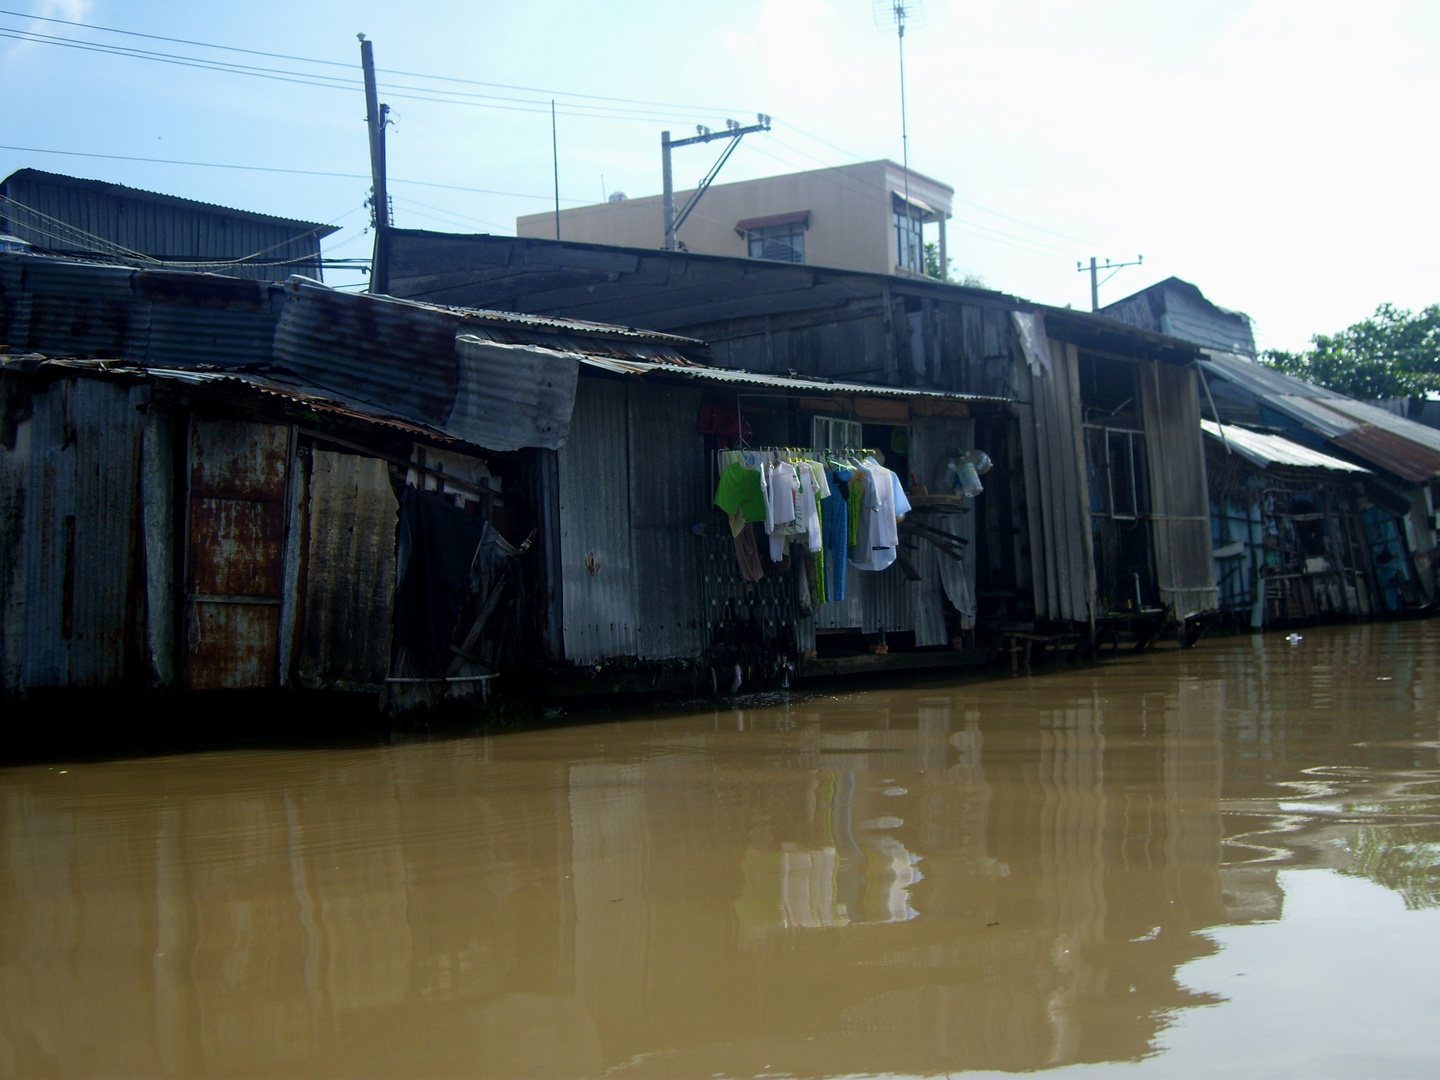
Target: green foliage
(932, 263)
(1395, 353)
(933, 269)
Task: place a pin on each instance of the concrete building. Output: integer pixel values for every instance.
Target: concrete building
(853, 217)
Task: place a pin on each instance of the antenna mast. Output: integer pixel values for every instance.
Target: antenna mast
(899, 14)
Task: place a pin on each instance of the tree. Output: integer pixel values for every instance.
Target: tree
(933, 269)
(1394, 353)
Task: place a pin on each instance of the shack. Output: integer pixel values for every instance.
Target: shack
(212, 484)
(73, 217)
(1289, 532)
(1401, 458)
(1096, 512)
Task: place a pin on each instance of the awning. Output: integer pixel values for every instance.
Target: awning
(915, 204)
(1265, 450)
(780, 383)
(794, 217)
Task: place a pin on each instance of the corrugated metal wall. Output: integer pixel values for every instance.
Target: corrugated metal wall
(155, 228)
(235, 560)
(81, 617)
(630, 488)
(1180, 501)
(73, 309)
(1056, 492)
(349, 573)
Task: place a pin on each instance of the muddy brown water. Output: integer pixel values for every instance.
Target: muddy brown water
(1223, 860)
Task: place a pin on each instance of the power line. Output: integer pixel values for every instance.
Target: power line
(386, 71)
(336, 82)
(291, 172)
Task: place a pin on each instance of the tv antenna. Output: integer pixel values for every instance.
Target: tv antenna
(900, 14)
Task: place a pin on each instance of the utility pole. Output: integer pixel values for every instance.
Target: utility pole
(734, 132)
(1096, 282)
(555, 156)
(375, 120)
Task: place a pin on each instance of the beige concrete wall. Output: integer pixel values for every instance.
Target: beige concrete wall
(850, 215)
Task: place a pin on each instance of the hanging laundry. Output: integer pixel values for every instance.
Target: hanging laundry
(748, 556)
(741, 491)
(835, 530)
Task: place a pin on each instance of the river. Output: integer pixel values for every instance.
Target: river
(1224, 861)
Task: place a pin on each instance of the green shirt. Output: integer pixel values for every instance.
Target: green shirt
(739, 488)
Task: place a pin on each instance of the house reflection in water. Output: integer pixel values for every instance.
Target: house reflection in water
(846, 881)
(677, 895)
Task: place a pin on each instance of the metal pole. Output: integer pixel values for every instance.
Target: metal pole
(669, 182)
(555, 152)
(380, 200)
(1094, 286)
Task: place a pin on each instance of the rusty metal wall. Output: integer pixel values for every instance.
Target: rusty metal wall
(349, 572)
(235, 558)
(82, 609)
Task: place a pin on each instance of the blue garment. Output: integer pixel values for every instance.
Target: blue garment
(835, 532)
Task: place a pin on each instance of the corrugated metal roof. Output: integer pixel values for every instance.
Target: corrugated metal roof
(120, 191)
(1261, 378)
(61, 307)
(1265, 450)
(266, 385)
(1393, 453)
(1386, 420)
(777, 382)
(415, 362)
(1398, 445)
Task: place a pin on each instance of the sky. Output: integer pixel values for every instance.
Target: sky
(1280, 155)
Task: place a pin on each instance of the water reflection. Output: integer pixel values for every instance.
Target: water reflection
(1013, 875)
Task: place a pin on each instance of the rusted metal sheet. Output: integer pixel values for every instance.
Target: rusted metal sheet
(235, 564)
(349, 572)
(371, 349)
(73, 309)
(78, 309)
(512, 396)
(81, 523)
(1393, 453)
(205, 319)
(405, 357)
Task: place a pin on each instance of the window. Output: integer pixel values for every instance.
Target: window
(827, 433)
(783, 242)
(909, 235)
(779, 236)
(1119, 475)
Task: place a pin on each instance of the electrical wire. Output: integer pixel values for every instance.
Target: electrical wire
(349, 66)
(548, 197)
(353, 85)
